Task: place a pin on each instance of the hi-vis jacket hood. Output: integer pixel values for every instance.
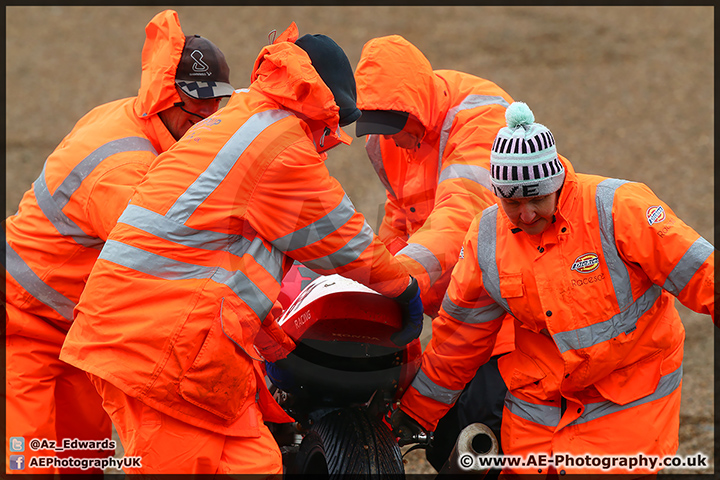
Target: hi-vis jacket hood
(285, 74)
(409, 83)
(164, 42)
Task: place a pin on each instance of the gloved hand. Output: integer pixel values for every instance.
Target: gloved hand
(406, 429)
(412, 313)
(279, 374)
(271, 340)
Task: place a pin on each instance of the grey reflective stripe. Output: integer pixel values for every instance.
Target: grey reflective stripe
(471, 101)
(32, 284)
(270, 260)
(630, 310)
(474, 173)
(550, 416)
(319, 229)
(169, 269)
(619, 274)
(486, 242)
(221, 165)
(160, 226)
(430, 389)
(667, 385)
(541, 414)
(52, 204)
(472, 315)
(347, 254)
(690, 262)
(425, 257)
(153, 264)
(171, 227)
(372, 147)
(623, 322)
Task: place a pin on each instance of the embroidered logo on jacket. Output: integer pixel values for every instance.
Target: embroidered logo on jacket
(655, 214)
(586, 263)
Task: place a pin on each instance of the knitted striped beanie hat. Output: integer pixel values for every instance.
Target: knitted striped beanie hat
(523, 159)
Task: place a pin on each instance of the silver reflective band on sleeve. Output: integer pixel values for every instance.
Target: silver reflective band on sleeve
(221, 165)
(472, 315)
(471, 101)
(346, 254)
(166, 268)
(616, 325)
(52, 204)
(541, 414)
(690, 262)
(474, 173)
(425, 257)
(319, 229)
(619, 274)
(486, 252)
(374, 153)
(430, 389)
(32, 284)
(667, 385)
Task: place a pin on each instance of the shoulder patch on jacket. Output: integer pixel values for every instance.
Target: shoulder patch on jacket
(655, 214)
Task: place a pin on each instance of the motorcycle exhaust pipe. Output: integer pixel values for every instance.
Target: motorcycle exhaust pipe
(474, 440)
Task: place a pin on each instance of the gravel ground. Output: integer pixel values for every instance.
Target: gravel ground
(627, 92)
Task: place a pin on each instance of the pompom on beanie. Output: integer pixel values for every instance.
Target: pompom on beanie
(523, 159)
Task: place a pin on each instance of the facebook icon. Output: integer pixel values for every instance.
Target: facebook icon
(17, 462)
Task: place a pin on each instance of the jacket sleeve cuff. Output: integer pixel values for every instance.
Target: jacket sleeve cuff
(425, 411)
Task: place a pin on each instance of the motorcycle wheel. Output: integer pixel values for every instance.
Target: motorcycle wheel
(349, 442)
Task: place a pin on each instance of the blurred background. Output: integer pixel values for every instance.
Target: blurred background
(627, 92)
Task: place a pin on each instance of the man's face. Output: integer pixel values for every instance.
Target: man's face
(532, 214)
(179, 121)
(410, 136)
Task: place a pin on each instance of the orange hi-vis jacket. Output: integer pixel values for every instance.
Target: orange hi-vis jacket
(434, 191)
(596, 329)
(62, 222)
(195, 263)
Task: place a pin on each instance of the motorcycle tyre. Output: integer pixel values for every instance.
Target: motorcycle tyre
(349, 442)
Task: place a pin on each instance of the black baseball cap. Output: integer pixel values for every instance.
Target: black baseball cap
(380, 122)
(333, 66)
